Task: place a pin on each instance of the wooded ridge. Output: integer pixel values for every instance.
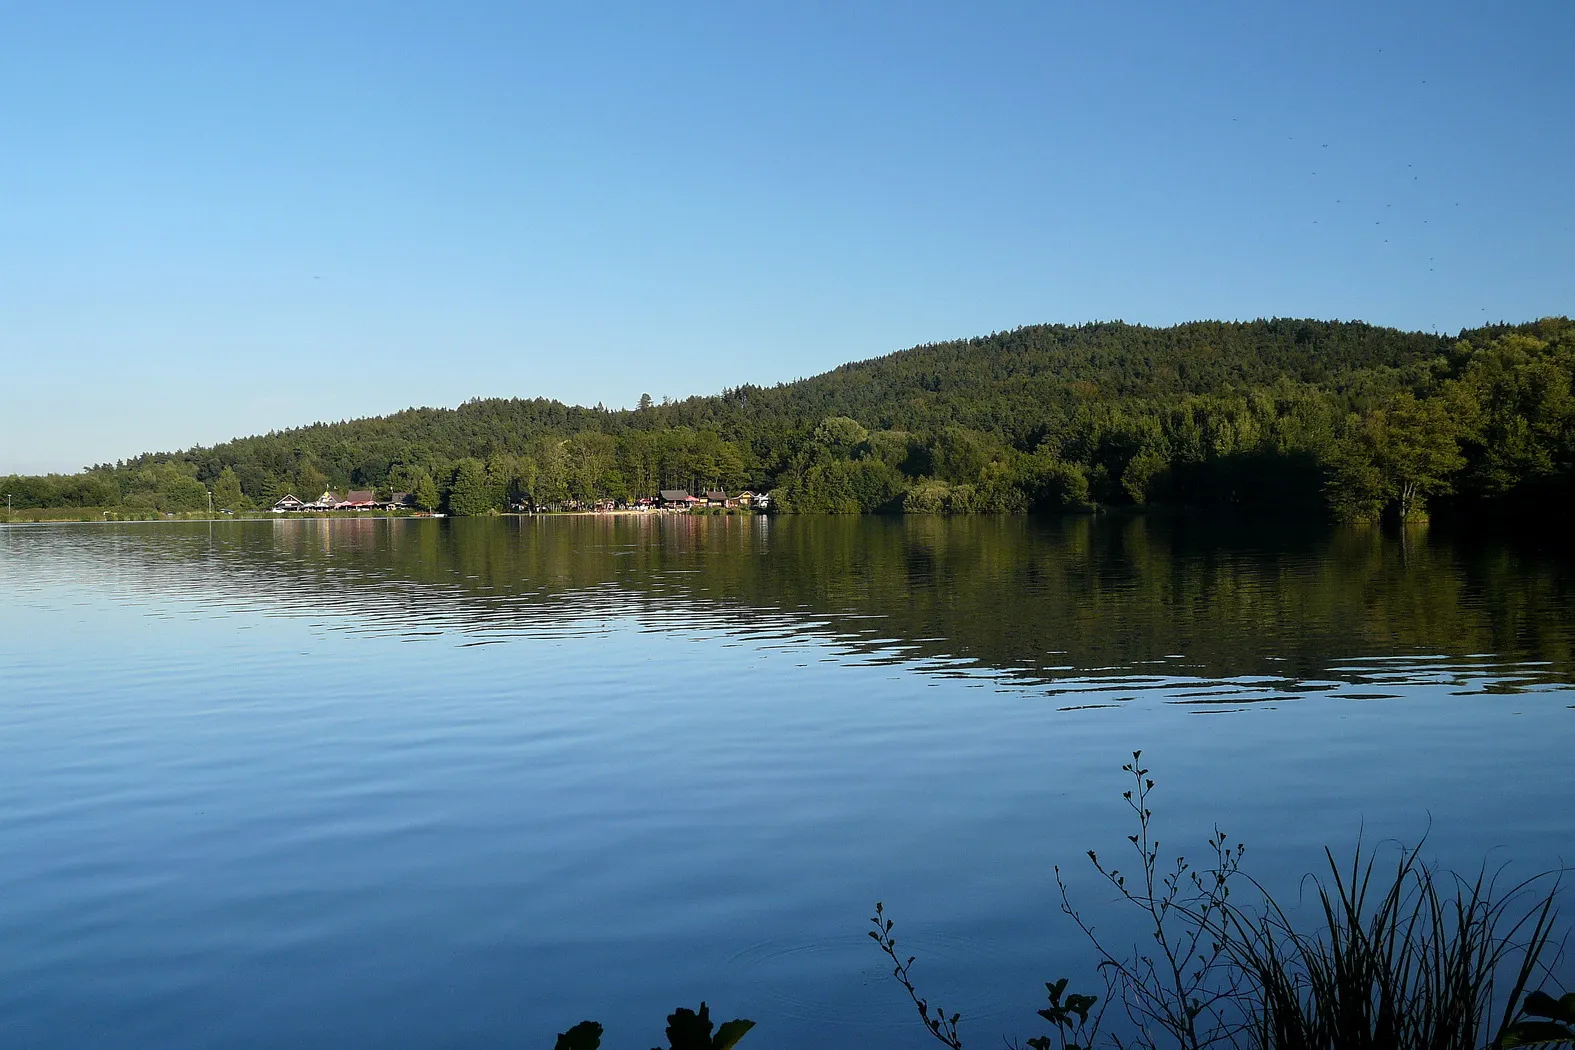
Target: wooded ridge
(1330, 418)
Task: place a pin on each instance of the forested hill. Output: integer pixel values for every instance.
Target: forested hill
(1321, 417)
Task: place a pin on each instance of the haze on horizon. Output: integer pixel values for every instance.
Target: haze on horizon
(218, 222)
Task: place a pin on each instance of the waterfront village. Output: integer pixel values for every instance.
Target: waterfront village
(666, 502)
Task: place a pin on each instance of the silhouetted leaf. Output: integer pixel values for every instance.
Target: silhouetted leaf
(730, 1033)
(687, 1030)
(1541, 1004)
(1534, 1033)
(587, 1035)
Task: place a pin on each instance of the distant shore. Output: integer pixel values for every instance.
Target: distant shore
(108, 516)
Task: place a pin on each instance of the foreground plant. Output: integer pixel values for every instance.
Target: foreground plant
(1402, 958)
(686, 1030)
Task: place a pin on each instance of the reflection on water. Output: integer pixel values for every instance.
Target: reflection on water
(421, 783)
(1075, 606)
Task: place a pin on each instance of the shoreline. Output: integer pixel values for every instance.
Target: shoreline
(354, 516)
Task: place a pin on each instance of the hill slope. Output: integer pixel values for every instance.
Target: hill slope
(1049, 415)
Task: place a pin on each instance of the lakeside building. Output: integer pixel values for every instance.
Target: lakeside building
(680, 498)
(668, 499)
(355, 499)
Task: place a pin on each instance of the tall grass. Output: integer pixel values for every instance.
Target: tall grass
(1406, 957)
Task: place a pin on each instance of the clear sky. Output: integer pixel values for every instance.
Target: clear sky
(218, 219)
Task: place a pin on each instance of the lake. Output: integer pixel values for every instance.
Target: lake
(426, 783)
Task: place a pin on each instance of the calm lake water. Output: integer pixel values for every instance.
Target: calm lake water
(463, 783)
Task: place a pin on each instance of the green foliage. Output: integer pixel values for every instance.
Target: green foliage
(227, 493)
(424, 491)
(470, 494)
(842, 487)
(1051, 484)
(1395, 458)
(60, 490)
(928, 497)
(309, 481)
(165, 487)
(1142, 472)
(840, 435)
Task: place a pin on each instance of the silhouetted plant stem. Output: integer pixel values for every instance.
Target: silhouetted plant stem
(937, 1024)
(1416, 959)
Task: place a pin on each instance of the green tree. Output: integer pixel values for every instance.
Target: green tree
(1052, 484)
(1141, 473)
(959, 454)
(470, 495)
(1395, 458)
(179, 493)
(227, 491)
(424, 492)
(840, 435)
(927, 497)
(310, 482)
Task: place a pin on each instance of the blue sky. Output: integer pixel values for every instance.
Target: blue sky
(218, 219)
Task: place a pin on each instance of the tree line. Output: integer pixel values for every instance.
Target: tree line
(1340, 419)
